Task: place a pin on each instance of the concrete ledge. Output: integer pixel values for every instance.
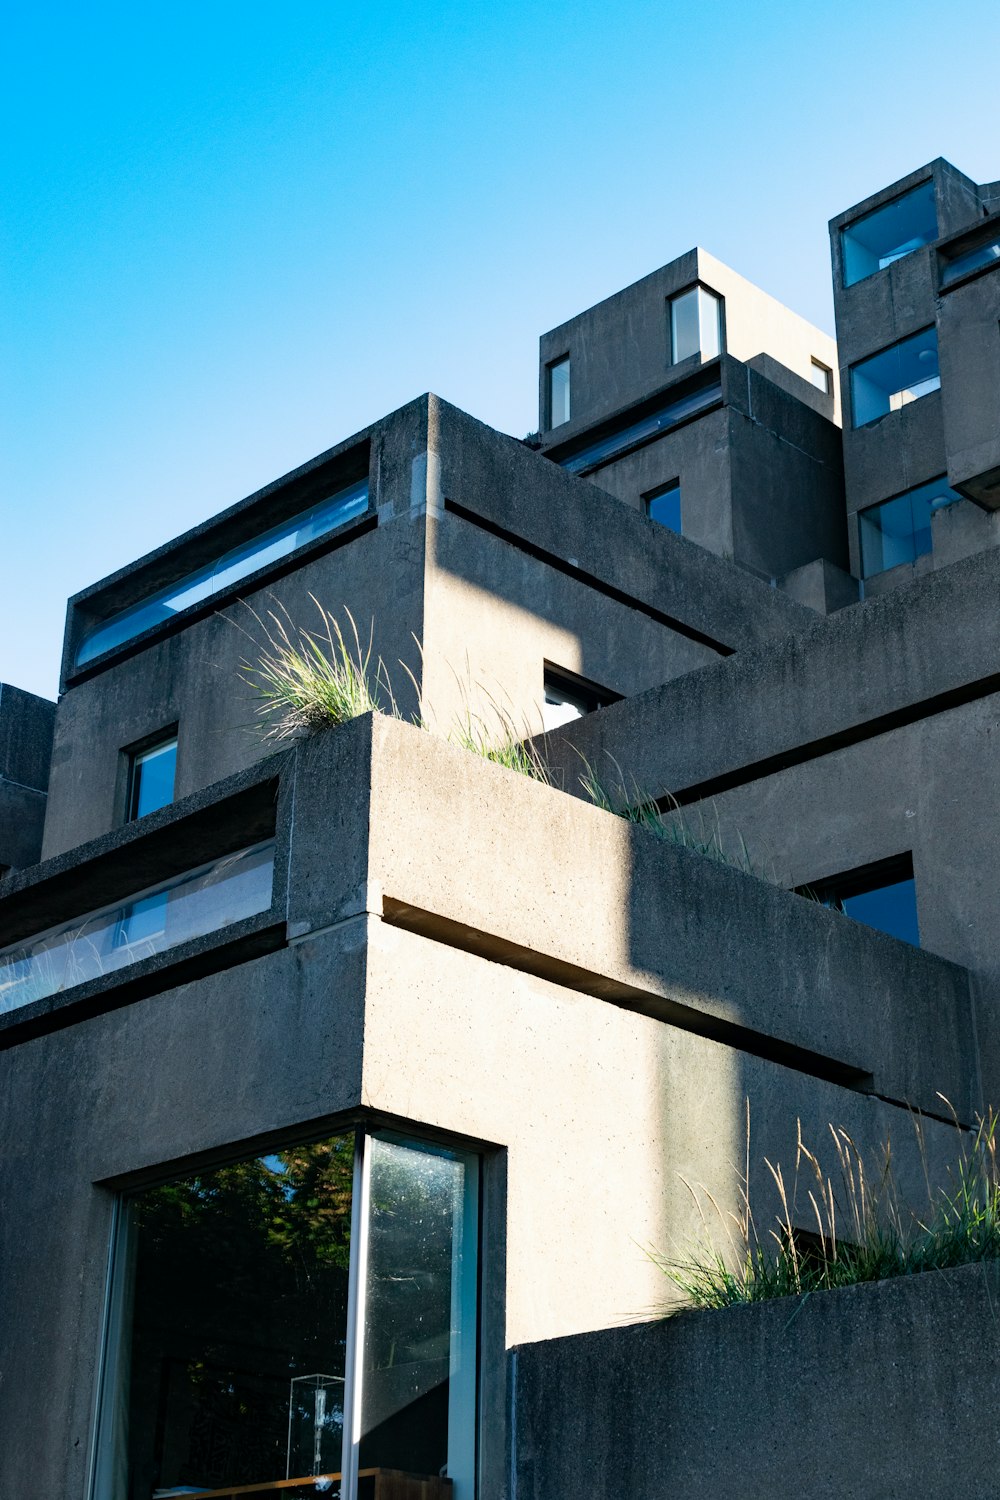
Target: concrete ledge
(886, 1390)
(861, 672)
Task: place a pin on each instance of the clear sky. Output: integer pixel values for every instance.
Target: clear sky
(233, 234)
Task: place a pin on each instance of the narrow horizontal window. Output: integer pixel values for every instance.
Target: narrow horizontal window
(664, 506)
(899, 530)
(887, 234)
(982, 256)
(695, 325)
(642, 429)
(239, 563)
(559, 392)
(894, 377)
(151, 778)
(299, 1323)
(187, 906)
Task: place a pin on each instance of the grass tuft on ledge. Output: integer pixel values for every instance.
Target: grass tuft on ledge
(852, 1227)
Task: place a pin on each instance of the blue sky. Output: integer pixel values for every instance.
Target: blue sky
(232, 234)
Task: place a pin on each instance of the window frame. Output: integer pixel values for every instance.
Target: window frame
(133, 756)
(866, 510)
(720, 309)
(877, 354)
(650, 497)
(817, 365)
(551, 366)
(113, 1369)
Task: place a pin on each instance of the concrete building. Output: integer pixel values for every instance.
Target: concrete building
(346, 1078)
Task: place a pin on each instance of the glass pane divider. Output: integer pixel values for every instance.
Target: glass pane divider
(357, 1283)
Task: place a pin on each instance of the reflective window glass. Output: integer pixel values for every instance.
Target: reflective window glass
(240, 562)
(418, 1386)
(895, 376)
(642, 429)
(899, 530)
(695, 325)
(568, 697)
(151, 777)
(883, 896)
(887, 234)
(301, 1323)
(559, 392)
(970, 260)
(821, 376)
(665, 507)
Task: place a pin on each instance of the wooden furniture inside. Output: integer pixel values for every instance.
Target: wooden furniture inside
(373, 1484)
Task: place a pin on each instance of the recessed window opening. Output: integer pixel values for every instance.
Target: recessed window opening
(664, 506)
(821, 376)
(888, 233)
(296, 1324)
(979, 258)
(638, 430)
(151, 777)
(228, 569)
(894, 377)
(695, 324)
(97, 943)
(898, 531)
(558, 377)
(881, 895)
(568, 697)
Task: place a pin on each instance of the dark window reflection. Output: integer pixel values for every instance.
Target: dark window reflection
(239, 1324)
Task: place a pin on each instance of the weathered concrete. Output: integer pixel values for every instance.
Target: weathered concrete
(968, 312)
(620, 349)
(880, 1392)
(26, 727)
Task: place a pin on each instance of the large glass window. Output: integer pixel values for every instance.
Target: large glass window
(239, 563)
(892, 378)
(899, 530)
(151, 777)
(187, 906)
(887, 234)
(695, 324)
(297, 1324)
(559, 392)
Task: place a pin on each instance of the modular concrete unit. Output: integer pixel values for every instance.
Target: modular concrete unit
(405, 946)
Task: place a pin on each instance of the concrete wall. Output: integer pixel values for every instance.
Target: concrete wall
(851, 743)
(548, 569)
(620, 348)
(26, 727)
(588, 1111)
(968, 314)
(761, 478)
(880, 1392)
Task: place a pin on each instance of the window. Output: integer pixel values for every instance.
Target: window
(695, 324)
(226, 570)
(306, 1315)
(899, 530)
(151, 778)
(964, 262)
(896, 376)
(821, 376)
(568, 697)
(559, 392)
(887, 234)
(96, 943)
(633, 433)
(664, 506)
(881, 895)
